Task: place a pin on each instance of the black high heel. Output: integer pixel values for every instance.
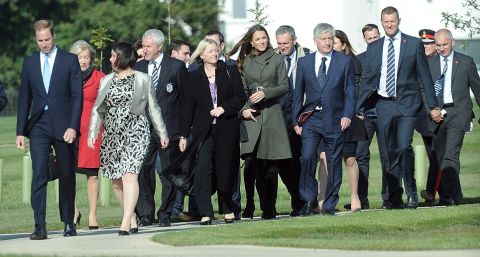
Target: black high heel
(134, 230)
(77, 222)
(123, 233)
(248, 211)
(92, 227)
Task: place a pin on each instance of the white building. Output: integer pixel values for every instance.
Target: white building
(347, 15)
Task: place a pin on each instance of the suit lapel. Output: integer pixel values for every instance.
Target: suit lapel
(331, 67)
(164, 71)
(56, 67)
(377, 50)
(436, 68)
(455, 64)
(38, 71)
(311, 66)
(403, 46)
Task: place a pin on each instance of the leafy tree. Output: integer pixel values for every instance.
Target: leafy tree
(100, 39)
(470, 21)
(258, 13)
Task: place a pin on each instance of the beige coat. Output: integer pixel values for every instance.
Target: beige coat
(143, 103)
(268, 71)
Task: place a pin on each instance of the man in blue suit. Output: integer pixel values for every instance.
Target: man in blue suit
(326, 80)
(49, 110)
(395, 70)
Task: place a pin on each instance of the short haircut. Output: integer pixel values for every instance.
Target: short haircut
(389, 10)
(176, 44)
(156, 35)
(369, 27)
(126, 55)
(80, 46)
(286, 29)
(44, 24)
(323, 28)
(202, 45)
(218, 33)
(444, 32)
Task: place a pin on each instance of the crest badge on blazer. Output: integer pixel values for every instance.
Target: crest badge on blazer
(169, 87)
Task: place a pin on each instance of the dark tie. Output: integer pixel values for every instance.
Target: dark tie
(155, 75)
(322, 72)
(289, 65)
(390, 87)
(440, 83)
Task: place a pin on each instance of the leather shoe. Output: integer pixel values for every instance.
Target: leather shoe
(412, 202)
(328, 212)
(145, 221)
(446, 202)
(40, 233)
(308, 208)
(123, 233)
(164, 223)
(69, 230)
(426, 195)
(295, 213)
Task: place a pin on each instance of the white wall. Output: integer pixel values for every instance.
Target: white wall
(347, 15)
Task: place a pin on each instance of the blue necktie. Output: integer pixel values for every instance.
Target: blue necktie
(322, 72)
(46, 74)
(440, 83)
(390, 87)
(155, 75)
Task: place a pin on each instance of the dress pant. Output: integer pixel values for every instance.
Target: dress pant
(147, 181)
(169, 191)
(290, 169)
(312, 133)
(205, 173)
(396, 133)
(448, 143)
(41, 141)
(266, 176)
(236, 195)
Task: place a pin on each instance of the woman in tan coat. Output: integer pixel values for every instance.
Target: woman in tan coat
(265, 81)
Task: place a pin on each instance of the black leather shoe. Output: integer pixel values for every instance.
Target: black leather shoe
(238, 216)
(69, 230)
(412, 202)
(446, 202)
(295, 213)
(426, 195)
(327, 212)
(308, 208)
(248, 211)
(40, 233)
(145, 221)
(123, 233)
(164, 223)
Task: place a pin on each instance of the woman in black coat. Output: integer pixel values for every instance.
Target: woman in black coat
(213, 97)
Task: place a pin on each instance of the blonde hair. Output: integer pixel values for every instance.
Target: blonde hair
(202, 45)
(80, 46)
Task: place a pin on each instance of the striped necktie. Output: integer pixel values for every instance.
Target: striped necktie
(46, 73)
(322, 72)
(155, 75)
(390, 87)
(440, 83)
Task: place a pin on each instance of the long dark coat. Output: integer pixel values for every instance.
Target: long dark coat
(196, 119)
(267, 70)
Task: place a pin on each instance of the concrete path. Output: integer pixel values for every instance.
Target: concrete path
(106, 242)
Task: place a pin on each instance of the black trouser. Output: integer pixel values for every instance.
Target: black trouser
(147, 182)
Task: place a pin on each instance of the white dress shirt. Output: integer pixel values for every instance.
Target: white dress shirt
(447, 86)
(150, 64)
(51, 59)
(318, 61)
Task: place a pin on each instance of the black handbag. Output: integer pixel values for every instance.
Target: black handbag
(52, 172)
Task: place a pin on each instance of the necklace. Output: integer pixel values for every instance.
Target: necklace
(211, 76)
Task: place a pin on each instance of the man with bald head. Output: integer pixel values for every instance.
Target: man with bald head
(454, 75)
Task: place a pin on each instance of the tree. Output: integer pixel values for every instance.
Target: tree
(100, 39)
(258, 14)
(470, 21)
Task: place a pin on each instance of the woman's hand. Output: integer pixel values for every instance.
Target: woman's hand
(182, 144)
(164, 142)
(216, 112)
(248, 114)
(91, 143)
(257, 97)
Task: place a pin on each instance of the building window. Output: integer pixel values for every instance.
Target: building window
(239, 9)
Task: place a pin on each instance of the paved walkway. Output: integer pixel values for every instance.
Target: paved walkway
(106, 242)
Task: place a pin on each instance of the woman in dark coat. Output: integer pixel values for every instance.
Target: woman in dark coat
(213, 98)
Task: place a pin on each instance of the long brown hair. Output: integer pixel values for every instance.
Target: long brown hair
(344, 40)
(245, 45)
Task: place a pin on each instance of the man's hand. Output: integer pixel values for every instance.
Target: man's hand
(345, 123)
(248, 114)
(182, 144)
(21, 142)
(216, 112)
(298, 130)
(70, 135)
(436, 115)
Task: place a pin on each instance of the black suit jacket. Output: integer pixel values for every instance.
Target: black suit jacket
(412, 74)
(64, 98)
(3, 97)
(464, 77)
(171, 81)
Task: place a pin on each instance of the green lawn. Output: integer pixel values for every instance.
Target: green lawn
(445, 228)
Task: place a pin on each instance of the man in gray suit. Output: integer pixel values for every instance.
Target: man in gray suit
(396, 68)
(454, 75)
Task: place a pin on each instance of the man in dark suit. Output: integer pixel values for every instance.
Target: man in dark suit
(326, 80)
(395, 70)
(168, 77)
(49, 110)
(454, 74)
(3, 97)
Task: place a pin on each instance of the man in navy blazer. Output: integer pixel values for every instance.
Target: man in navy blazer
(395, 70)
(168, 77)
(49, 110)
(326, 80)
